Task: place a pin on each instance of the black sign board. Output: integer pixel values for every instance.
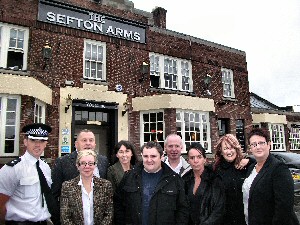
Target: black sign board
(82, 19)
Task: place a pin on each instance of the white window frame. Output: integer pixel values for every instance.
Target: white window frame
(94, 61)
(4, 44)
(277, 137)
(39, 111)
(181, 69)
(3, 113)
(180, 120)
(295, 138)
(142, 126)
(227, 81)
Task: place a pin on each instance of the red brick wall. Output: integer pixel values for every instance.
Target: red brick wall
(123, 65)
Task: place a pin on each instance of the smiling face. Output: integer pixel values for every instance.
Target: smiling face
(86, 166)
(85, 141)
(228, 152)
(151, 160)
(35, 147)
(124, 155)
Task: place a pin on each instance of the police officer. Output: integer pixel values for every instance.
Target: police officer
(22, 201)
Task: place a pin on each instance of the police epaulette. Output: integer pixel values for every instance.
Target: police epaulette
(14, 162)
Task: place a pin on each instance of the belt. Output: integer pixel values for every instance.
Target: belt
(11, 222)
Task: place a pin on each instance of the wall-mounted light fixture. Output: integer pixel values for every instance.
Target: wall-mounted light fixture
(47, 51)
(126, 105)
(68, 102)
(144, 69)
(207, 81)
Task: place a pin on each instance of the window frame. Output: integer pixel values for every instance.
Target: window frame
(158, 69)
(281, 136)
(3, 109)
(224, 82)
(41, 107)
(98, 44)
(294, 138)
(201, 131)
(5, 40)
(142, 126)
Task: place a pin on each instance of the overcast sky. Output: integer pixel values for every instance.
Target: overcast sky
(268, 31)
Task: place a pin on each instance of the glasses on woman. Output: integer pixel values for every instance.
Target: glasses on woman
(87, 163)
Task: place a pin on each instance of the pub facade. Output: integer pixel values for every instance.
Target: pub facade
(117, 71)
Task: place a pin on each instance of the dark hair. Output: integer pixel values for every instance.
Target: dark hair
(259, 132)
(198, 147)
(152, 144)
(128, 145)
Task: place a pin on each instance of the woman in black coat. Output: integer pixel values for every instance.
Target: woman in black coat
(268, 191)
(203, 189)
(228, 157)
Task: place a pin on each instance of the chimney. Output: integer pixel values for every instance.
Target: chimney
(159, 16)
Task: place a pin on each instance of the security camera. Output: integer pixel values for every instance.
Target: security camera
(69, 82)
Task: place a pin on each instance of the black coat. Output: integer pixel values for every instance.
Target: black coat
(65, 169)
(271, 196)
(168, 205)
(213, 198)
(232, 180)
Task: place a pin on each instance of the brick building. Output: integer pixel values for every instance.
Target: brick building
(282, 122)
(116, 70)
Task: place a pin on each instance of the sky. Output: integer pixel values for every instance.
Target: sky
(268, 31)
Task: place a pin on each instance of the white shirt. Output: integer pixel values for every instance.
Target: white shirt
(88, 204)
(21, 182)
(177, 168)
(246, 189)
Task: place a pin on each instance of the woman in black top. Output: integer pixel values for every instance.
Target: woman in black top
(203, 189)
(228, 156)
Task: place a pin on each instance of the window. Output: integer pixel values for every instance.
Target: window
(9, 125)
(170, 73)
(223, 126)
(277, 137)
(94, 60)
(240, 133)
(39, 112)
(13, 46)
(295, 137)
(228, 85)
(194, 127)
(152, 127)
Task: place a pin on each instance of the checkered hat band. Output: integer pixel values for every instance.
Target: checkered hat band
(37, 132)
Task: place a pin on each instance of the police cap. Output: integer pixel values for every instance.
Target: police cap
(37, 131)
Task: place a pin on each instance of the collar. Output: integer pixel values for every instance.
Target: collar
(29, 158)
(81, 184)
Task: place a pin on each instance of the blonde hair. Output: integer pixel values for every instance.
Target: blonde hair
(85, 153)
(231, 140)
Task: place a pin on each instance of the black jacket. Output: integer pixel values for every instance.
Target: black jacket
(213, 199)
(168, 205)
(65, 169)
(232, 180)
(271, 196)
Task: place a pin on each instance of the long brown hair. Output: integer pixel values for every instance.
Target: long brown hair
(231, 140)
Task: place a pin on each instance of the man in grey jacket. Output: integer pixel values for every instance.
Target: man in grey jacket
(173, 148)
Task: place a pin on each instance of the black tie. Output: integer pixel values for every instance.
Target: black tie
(46, 192)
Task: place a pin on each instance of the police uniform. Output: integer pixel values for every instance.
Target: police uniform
(19, 179)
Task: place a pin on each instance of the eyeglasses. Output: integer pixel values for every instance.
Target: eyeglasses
(86, 163)
(254, 145)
